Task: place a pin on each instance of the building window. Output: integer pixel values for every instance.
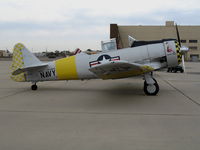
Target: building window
(193, 41)
(183, 41)
(194, 57)
(193, 48)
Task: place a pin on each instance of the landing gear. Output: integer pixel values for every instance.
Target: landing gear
(151, 86)
(34, 87)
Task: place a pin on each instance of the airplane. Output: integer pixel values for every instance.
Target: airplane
(142, 58)
(76, 51)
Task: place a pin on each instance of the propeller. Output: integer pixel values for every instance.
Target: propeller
(178, 35)
(183, 49)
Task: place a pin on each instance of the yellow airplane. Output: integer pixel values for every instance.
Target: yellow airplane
(142, 58)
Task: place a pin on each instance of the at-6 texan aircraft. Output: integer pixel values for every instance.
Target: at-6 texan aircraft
(142, 58)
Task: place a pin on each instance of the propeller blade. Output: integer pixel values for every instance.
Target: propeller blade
(183, 63)
(178, 35)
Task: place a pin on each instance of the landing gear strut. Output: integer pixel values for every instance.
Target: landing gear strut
(34, 87)
(151, 86)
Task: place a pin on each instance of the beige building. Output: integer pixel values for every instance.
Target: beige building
(190, 36)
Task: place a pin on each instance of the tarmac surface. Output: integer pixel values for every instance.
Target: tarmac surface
(101, 115)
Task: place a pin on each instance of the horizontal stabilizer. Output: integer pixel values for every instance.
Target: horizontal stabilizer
(29, 68)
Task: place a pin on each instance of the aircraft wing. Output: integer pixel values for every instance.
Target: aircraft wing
(29, 68)
(120, 69)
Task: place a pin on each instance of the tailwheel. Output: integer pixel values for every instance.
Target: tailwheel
(34, 87)
(151, 89)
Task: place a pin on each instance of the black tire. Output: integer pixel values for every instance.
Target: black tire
(168, 70)
(34, 87)
(151, 89)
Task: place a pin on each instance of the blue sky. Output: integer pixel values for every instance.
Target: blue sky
(68, 24)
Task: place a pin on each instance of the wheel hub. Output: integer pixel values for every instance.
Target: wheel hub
(151, 88)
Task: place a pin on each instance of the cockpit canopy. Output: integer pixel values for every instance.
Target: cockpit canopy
(141, 43)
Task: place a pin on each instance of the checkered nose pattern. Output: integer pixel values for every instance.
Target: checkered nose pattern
(179, 55)
(18, 62)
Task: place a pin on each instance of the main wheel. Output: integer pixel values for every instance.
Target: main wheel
(151, 89)
(34, 87)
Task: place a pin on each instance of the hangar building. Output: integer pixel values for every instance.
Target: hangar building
(190, 35)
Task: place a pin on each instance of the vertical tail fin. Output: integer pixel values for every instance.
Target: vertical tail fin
(22, 58)
(18, 62)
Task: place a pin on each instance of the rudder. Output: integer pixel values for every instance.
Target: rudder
(18, 62)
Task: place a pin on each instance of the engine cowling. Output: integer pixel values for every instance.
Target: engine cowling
(173, 54)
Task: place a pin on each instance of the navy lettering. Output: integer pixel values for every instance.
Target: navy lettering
(54, 72)
(47, 73)
(42, 74)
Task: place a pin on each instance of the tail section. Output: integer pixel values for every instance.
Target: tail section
(22, 58)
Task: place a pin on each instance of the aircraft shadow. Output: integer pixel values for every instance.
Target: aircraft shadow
(117, 90)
